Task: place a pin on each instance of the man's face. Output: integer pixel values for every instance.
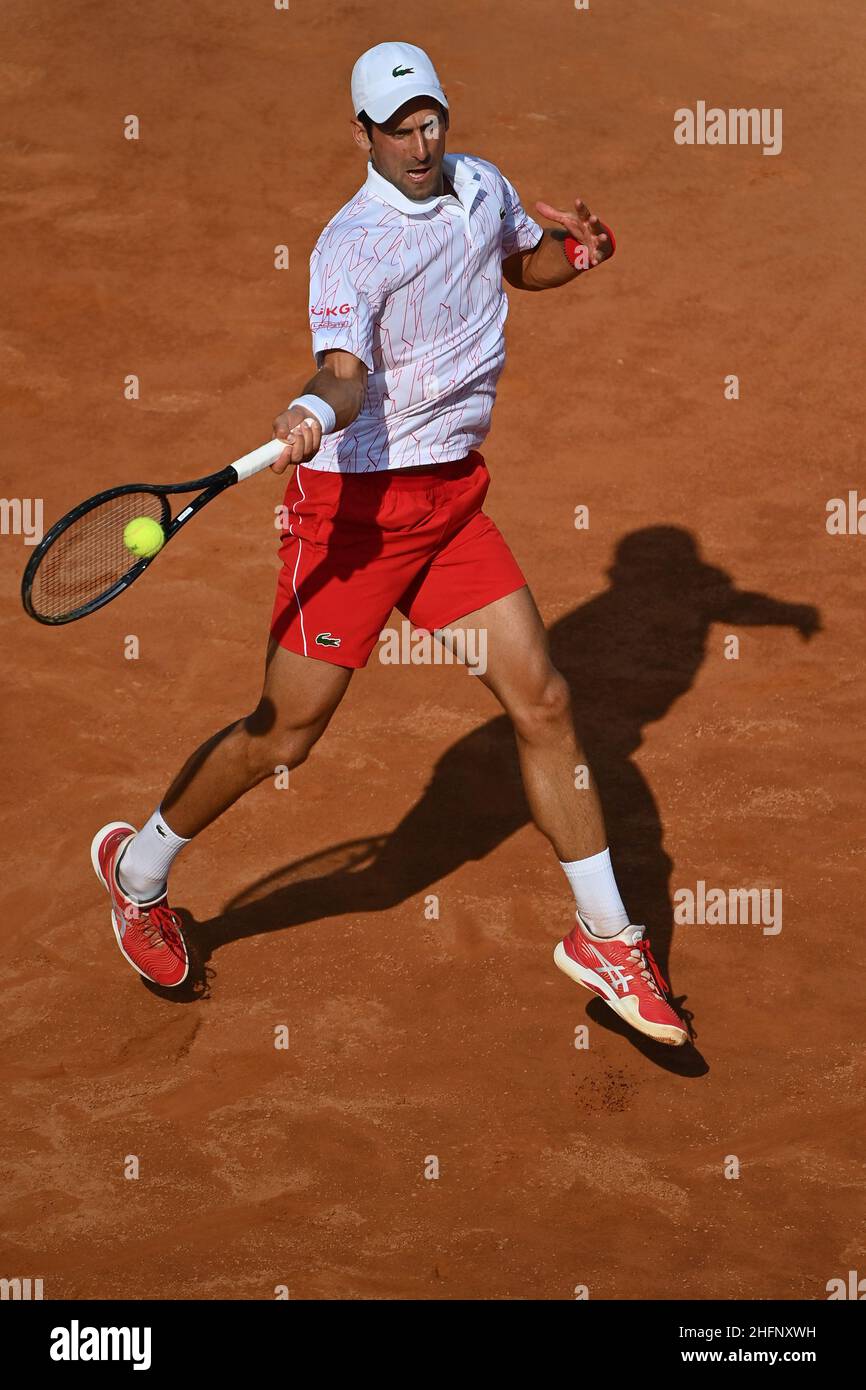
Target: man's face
(408, 149)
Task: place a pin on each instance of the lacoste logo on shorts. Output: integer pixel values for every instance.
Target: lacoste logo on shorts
(324, 639)
(401, 72)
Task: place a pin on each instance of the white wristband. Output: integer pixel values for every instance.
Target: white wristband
(314, 405)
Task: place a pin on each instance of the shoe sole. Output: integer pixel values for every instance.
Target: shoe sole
(94, 859)
(627, 1009)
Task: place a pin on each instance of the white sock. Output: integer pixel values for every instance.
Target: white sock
(596, 894)
(144, 864)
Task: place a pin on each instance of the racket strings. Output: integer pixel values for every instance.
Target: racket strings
(89, 557)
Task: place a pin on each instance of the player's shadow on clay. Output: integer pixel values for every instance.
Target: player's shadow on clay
(628, 654)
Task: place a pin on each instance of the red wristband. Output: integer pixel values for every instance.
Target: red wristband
(577, 253)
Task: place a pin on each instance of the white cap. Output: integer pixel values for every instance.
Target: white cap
(389, 74)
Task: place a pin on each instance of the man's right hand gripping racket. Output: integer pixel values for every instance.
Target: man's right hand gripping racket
(83, 562)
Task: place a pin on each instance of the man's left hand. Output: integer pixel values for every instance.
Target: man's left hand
(584, 226)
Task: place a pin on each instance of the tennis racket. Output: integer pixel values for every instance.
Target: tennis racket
(82, 563)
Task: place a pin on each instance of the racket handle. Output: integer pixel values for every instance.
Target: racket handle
(260, 458)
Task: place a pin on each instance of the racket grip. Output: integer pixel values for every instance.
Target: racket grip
(260, 458)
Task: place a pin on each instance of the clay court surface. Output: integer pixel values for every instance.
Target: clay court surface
(411, 1037)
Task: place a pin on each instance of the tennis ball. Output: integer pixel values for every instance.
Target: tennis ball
(143, 536)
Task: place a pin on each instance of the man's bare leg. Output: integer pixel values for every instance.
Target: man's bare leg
(299, 697)
(536, 698)
(603, 952)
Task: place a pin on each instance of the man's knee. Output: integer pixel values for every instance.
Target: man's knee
(273, 739)
(544, 709)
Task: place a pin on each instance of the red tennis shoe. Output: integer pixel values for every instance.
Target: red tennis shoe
(622, 971)
(148, 934)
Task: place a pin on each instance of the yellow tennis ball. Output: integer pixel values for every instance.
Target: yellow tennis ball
(143, 536)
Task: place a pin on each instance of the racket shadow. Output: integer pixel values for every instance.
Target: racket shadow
(341, 879)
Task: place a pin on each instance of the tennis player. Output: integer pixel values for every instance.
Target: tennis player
(384, 510)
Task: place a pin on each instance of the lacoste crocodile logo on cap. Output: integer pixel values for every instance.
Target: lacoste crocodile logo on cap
(401, 72)
(324, 639)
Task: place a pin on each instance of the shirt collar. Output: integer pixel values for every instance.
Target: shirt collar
(462, 172)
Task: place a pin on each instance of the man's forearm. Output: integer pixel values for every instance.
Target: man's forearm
(338, 388)
(345, 395)
(548, 264)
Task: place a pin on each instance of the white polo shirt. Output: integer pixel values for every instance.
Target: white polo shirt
(415, 291)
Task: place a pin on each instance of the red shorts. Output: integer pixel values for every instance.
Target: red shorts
(358, 545)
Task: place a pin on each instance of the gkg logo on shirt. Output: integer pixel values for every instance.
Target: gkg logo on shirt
(320, 311)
